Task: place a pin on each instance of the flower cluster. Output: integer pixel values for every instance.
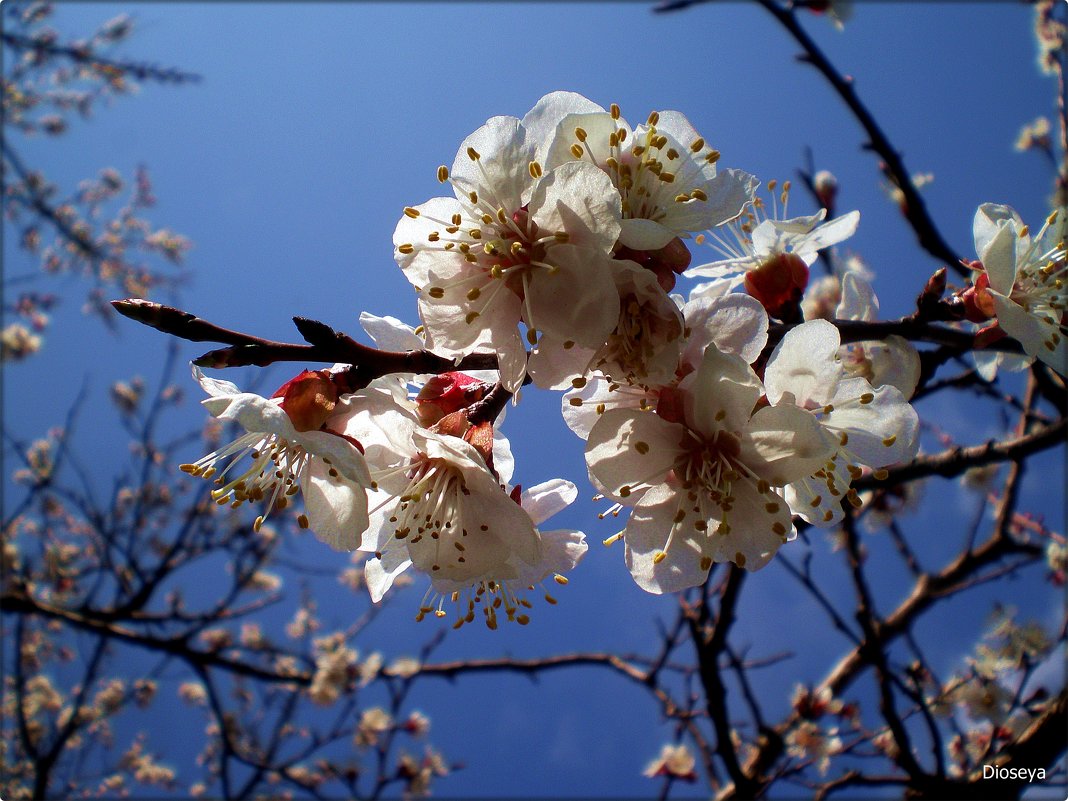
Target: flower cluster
(565, 231)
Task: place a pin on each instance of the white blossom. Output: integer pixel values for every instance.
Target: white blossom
(288, 455)
(770, 254)
(517, 244)
(437, 506)
(664, 170)
(703, 485)
(874, 427)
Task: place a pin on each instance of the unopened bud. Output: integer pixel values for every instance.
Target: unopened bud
(826, 186)
(309, 399)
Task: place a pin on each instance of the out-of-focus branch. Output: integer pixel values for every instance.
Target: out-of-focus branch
(84, 56)
(38, 202)
(912, 205)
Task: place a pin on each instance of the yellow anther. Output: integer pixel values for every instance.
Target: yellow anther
(470, 317)
(561, 580)
(534, 169)
(473, 154)
(697, 144)
(443, 173)
(641, 447)
(697, 194)
(712, 157)
(410, 212)
(532, 336)
(890, 440)
(578, 383)
(867, 397)
(614, 111)
(436, 292)
(580, 134)
(654, 118)
(880, 475)
(575, 401)
(667, 177)
(1024, 231)
(659, 557)
(473, 293)
(576, 151)
(406, 248)
(522, 620)
(258, 524)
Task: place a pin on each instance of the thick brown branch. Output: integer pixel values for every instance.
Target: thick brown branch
(954, 461)
(327, 346)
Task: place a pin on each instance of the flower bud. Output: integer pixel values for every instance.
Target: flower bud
(778, 283)
(309, 399)
(446, 393)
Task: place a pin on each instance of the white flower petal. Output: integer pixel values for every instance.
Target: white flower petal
(213, 386)
(989, 218)
(783, 443)
(389, 333)
(628, 449)
(752, 539)
(544, 500)
(541, 121)
(894, 362)
(642, 234)
(1034, 332)
(999, 259)
(552, 366)
(870, 426)
(381, 573)
(579, 199)
(805, 364)
(501, 174)
(721, 394)
(646, 535)
(736, 323)
(336, 507)
(859, 301)
(577, 300)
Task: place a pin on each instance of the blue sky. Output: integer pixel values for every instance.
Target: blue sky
(288, 167)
